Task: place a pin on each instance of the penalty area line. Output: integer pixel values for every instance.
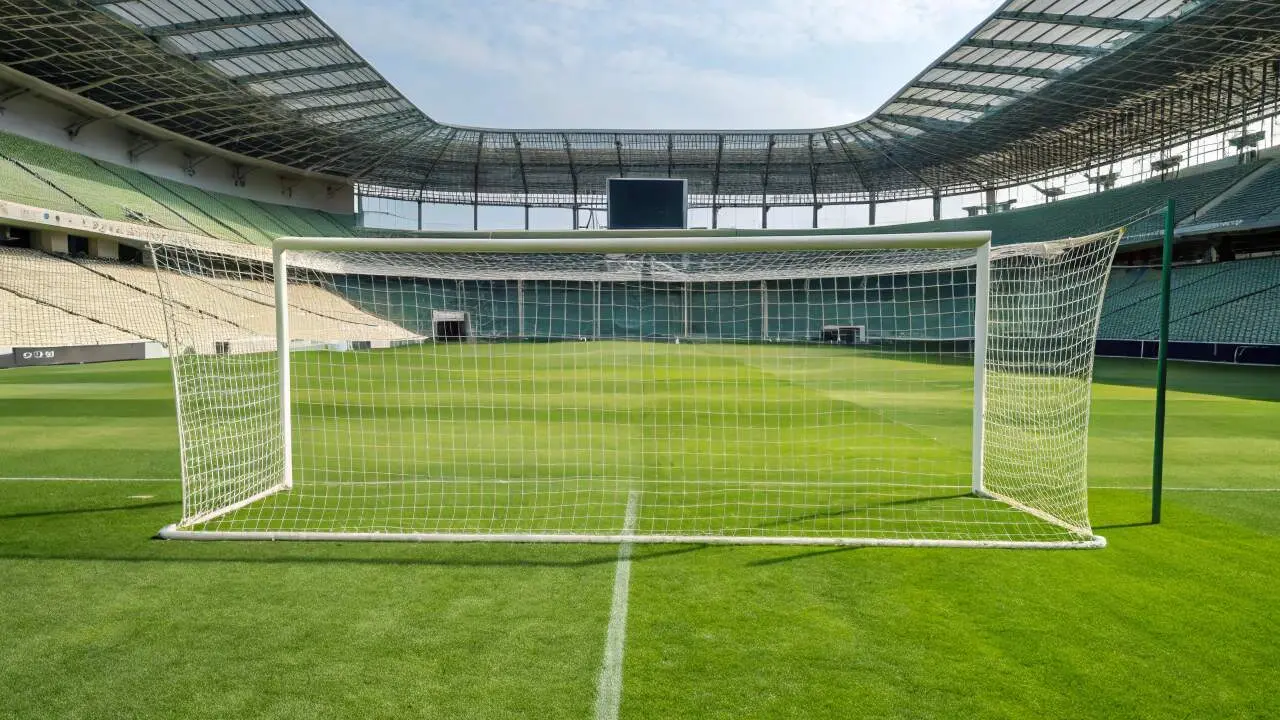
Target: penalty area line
(609, 684)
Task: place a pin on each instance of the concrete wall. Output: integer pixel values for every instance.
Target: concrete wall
(33, 117)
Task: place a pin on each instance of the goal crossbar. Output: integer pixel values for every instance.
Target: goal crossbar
(632, 243)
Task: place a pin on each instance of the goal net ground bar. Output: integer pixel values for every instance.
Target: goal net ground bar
(173, 532)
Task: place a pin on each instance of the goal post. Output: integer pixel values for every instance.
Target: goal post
(688, 370)
(982, 288)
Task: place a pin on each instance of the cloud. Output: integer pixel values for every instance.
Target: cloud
(785, 26)
(659, 64)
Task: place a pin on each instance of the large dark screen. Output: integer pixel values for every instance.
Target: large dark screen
(646, 204)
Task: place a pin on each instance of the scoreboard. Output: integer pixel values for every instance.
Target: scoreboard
(648, 204)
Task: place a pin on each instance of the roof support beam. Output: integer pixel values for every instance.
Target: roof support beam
(882, 124)
(573, 175)
(312, 109)
(975, 89)
(347, 89)
(266, 49)
(1102, 23)
(813, 180)
(853, 164)
(950, 105)
(715, 181)
(475, 185)
(373, 164)
(999, 70)
(764, 185)
(297, 72)
(876, 144)
(225, 23)
(378, 123)
(932, 158)
(1052, 48)
(524, 176)
(431, 166)
(921, 122)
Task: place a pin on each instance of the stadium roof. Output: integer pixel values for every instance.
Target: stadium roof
(1038, 89)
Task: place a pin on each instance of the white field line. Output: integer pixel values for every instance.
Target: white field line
(609, 685)
(1188, 489)
(89, 479)
(751, 483)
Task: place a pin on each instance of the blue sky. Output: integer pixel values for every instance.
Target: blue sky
(690, 64)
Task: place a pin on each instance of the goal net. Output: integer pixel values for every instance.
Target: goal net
(679, 387)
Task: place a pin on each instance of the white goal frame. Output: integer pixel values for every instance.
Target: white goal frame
(676, 241)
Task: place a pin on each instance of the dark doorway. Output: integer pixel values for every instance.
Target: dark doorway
(450, 330)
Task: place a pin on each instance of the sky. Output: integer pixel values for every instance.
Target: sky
(644, 64)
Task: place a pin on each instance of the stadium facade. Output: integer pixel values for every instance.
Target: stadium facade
(249, 119)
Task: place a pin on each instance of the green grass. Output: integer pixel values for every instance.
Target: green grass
(709, 439)
(100, 620)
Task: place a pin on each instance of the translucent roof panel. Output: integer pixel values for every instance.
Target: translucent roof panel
(1039, 87)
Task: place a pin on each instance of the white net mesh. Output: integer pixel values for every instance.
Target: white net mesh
(794, 396)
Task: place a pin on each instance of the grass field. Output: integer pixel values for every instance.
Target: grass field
(101, 621)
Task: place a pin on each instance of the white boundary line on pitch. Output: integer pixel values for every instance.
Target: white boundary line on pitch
(1093, 487)
(1188, 489)
(89, 479)
(609, 685)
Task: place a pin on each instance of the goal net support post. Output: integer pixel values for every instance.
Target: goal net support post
(709, 390)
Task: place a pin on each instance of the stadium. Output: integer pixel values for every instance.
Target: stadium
(752, 453)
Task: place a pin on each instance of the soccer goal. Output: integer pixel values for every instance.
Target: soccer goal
(749, 387)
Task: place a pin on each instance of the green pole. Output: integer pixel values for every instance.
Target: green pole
(1162, 364)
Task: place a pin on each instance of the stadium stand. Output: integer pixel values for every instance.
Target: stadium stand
(35, 173)
(205, 224)
(1219, 302)
(20, 184)
(90, 301)
(1259, 197)
(30, 323)
(220, 212)
(93, 186)
(1212, 303)
(65, 284)
(1131, 205)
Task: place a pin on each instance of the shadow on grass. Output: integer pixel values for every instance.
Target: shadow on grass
(1237, 381)
(804, 555)
(236, 557)
(826, 514)
(90, 511)
(1121, 526)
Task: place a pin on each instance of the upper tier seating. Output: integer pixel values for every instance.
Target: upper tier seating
(35, 173)
(1097, 212)
(1219, 302)
(1258, 198)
